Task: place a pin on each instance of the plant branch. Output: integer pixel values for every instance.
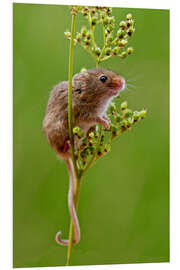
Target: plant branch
(71, 54)
(70, 120)
(95, 152)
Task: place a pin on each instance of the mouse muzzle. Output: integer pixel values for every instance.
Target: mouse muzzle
(117, 85)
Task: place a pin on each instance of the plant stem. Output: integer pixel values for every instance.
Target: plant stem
(77, 176)
(71, 54)
(91, 29)
(77, 181)
(71, 231)
(102, 52)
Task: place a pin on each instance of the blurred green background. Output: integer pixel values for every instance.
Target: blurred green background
(124, 200)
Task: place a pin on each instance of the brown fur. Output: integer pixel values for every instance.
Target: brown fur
(89, 96)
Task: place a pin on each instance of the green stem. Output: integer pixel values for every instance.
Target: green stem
(106, 57)
(77, 179)
(102, 52)
(71, 231)
(71, 54)
(91, 29)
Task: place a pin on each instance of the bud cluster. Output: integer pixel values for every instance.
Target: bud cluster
(115, 44)
(125, 119)
(120, 121)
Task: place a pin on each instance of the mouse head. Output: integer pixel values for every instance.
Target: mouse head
(98, 84)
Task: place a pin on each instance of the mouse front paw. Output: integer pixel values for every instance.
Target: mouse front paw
(105, 122)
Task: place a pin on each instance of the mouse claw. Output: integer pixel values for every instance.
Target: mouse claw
(105, 122)
(107, 125)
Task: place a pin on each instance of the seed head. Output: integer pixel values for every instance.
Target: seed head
(129, 16)
(123, 55)
(97, 51)
(108, 51)
(83, 31)
(130, 50)
(124, 105)
(122, 25)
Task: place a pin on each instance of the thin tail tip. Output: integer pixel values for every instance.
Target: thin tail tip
(61, 242)
(58, 239)
(58, 236)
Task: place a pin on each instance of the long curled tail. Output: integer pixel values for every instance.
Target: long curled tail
(72, 209)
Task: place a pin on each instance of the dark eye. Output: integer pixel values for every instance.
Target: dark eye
(79, 91)
(103, 78)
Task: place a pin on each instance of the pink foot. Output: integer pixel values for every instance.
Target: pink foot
(103, 121)
(66, 146)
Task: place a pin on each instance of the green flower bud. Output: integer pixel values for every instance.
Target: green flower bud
(142, 114)
(124, 123)
(93, 10)
(113, 128)
(91, 135)
(127, 112)
(107, 148)
(86, 9)
(124, 105)
(77, 131)
(129, 16)
(88, 35)
(130, 23)
(87, 42)
(122, 25)
(109, 10)
(116, 50)
(123, 43)
(130, 31)
(111, 20)
(121, 33)
(108, 51)
(112, 107)
(67, 34)
(83, 69)
(105, 21)
(102, 15)
(97, 51)
(118, 118)
(130, 122)
(83, 31)
(110, 28)
(130, 50)
(94, 21)
(109, 39)
(136, 116)
(123, 55)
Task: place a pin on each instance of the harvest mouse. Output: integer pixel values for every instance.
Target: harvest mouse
(92, 92)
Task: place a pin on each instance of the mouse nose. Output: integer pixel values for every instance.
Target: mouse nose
(119, 83)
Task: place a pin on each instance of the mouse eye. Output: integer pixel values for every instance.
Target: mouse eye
(79, 91)
(103, 78)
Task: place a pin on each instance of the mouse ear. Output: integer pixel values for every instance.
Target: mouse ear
(81, 80)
